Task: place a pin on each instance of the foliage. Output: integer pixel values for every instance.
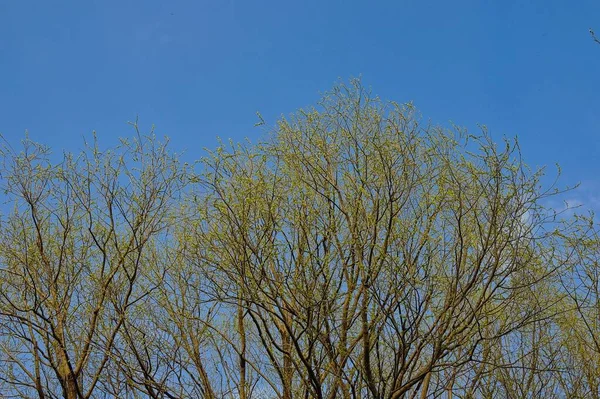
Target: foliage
(355, 253)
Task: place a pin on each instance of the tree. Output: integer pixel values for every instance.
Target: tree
(581, 324)
(370, 256)
(74, 252)
(354, 253)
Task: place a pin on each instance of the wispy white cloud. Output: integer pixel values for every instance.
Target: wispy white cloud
(581, 201)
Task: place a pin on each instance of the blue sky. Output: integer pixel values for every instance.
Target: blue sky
(202, 69)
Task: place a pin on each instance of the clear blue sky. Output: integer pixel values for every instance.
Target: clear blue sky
(201, 69)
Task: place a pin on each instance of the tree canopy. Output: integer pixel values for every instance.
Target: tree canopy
(355, 252)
